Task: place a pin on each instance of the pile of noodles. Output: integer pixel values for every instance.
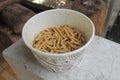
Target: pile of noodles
(59, 39)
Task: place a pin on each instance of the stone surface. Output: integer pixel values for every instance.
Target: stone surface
(101, 61)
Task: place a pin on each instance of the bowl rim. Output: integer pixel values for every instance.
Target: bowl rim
(61, 54)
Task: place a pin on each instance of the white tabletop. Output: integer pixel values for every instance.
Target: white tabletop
(101, 61)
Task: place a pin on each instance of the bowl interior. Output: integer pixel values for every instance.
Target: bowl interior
(56, 17)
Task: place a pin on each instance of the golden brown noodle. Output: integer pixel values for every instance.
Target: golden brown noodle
(59, 39)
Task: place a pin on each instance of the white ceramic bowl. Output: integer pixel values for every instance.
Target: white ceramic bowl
(57, 17)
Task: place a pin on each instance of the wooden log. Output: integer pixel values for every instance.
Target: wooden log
(15, 15)
(5, 3)
(4, 41)
(99, 20)
(6, 30)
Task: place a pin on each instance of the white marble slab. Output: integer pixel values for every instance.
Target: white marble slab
(101, 61)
